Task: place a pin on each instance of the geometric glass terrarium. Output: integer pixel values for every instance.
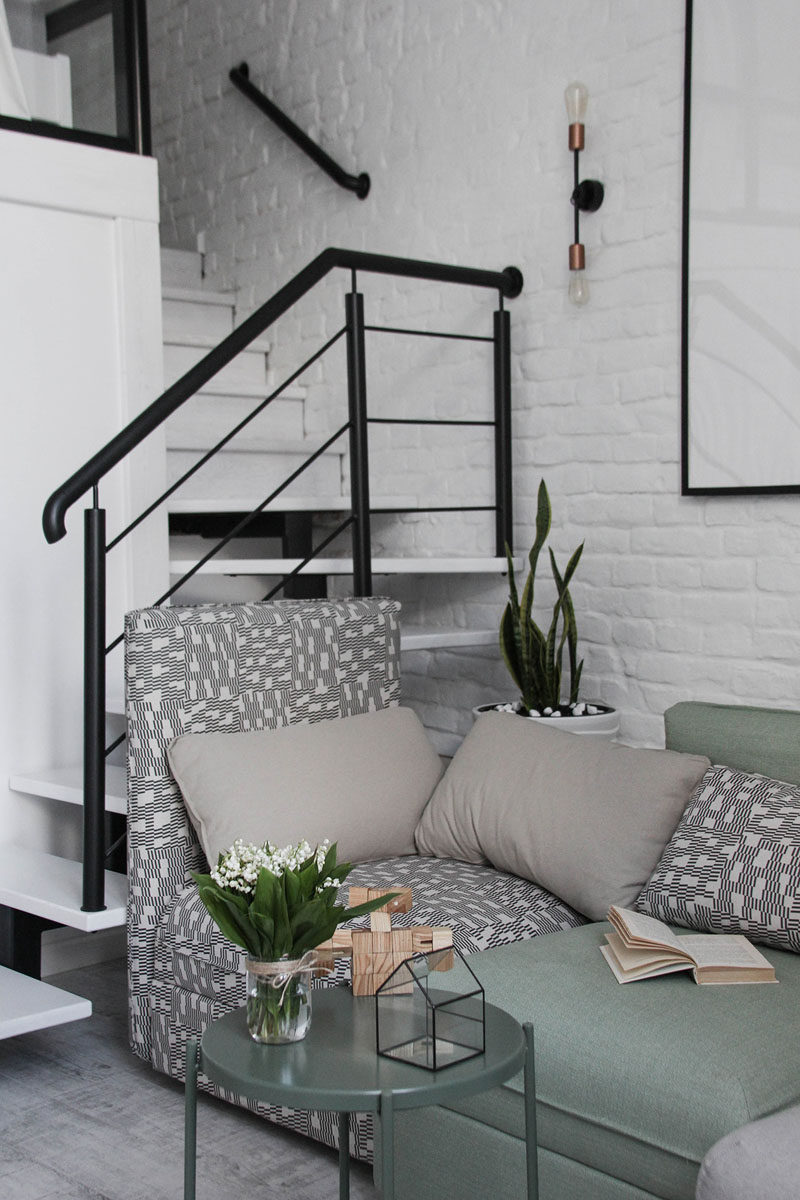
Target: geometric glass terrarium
(430, 1011)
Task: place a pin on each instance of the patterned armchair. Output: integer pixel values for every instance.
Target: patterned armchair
(249, 667)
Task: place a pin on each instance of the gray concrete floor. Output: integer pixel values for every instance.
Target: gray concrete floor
(81, 1118)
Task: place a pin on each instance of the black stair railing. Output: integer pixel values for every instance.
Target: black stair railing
(86, 479)
(360, 184)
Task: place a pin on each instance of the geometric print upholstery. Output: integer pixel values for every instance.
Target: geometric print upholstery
(199, 975)
(228, 667)
(733, 863)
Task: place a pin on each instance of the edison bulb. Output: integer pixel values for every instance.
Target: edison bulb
(576, 97)
(578, 287)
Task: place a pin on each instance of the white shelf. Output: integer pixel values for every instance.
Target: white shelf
(50, 887)
(28, 1004)
(443, 639)
(283, 503)
(66, 783)
(343, 566)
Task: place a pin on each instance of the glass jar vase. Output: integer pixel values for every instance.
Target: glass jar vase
(279, 999)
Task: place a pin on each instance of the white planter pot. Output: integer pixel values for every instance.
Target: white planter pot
(602, 724)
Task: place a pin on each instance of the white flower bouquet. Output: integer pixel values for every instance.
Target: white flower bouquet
(278, 904)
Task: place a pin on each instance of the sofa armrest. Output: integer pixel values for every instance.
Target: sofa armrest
(761, 1160)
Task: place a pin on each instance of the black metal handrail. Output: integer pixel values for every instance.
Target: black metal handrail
(507, 282)
(87, 478)
(360, 184)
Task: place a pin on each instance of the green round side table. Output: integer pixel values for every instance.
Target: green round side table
(336, 1068)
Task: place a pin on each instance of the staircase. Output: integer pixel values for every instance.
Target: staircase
(195, 319)
(41, 890)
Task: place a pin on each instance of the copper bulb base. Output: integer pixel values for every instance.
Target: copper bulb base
(577, 257)
(576, 135)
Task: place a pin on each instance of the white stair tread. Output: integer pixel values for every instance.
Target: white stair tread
(66, 783)
(28, 1004)
(304, 446)
(50, 887)
(282, 503)
(440, 639)
(250, 391)
(344, 566)
(201, 341)
(198, 296)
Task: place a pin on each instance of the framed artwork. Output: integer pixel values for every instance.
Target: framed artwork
(740, 325)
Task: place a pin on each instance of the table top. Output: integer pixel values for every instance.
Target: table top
(336, 1066)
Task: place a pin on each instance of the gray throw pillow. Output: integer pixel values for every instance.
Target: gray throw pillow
(360, 781)
(733, 863)
(585, 818)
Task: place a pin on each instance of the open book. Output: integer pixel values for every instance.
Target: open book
(640, 947)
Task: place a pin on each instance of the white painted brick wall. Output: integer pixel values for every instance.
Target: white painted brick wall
(455, 108)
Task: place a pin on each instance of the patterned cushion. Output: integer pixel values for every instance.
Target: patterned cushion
(733, 863)
(199, 974)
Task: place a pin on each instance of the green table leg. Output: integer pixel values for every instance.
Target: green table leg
(190, 1121)
(344, 1156)
(531, 1144)
(387, 1146)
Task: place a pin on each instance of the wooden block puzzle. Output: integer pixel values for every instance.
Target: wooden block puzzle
(378, 951)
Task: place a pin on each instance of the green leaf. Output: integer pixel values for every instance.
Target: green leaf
(280, 915)
(264, 896)
(320, 933)
(330, 862)
(576, 680)
(264, 928)
(512, 584)
(308, 878)
(510, 647)
(367, 907)
(292, 889)
(543, 518)
(227, 914)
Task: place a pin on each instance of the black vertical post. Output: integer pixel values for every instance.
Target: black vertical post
(504, 522)
(94, 708)
(131, 73)
(297, 542)
(359, 455)
(140, 79)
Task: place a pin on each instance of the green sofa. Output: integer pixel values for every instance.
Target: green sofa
(634, 1084)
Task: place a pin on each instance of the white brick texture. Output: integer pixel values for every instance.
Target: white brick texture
(455, 108)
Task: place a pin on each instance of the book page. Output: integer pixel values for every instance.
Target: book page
(636, 958)
(723, 950)
(639, 929)
(646, 971)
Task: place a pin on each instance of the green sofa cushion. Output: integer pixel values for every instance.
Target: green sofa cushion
(639, 1080)
(761, 740)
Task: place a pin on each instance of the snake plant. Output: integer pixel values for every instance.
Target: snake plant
(534, 658)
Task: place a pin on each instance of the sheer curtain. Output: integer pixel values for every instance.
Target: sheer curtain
(12, 94)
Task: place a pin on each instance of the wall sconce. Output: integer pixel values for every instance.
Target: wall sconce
(587, 196)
